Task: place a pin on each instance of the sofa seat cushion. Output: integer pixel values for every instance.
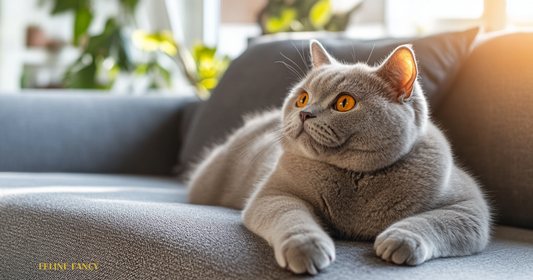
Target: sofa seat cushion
(136, 227)
(91, 186)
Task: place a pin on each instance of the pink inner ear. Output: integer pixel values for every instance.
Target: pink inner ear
(319, 55)
(409, 72)
(403, 63)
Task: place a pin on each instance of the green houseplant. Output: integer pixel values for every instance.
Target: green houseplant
(109, 53)
(302, 15)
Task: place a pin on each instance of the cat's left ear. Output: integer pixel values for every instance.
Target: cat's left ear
(400, 70)
(319, 55)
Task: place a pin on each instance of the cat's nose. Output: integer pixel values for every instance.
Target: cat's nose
(305, 115)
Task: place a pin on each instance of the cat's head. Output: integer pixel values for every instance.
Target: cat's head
(355, 116)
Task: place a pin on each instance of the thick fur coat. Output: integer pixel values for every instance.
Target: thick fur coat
(352, 154)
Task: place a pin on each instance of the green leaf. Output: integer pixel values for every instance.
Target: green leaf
(61, 6)
(81, 23)
(209, 83)
(118, 49)
(85, 78)
(130, 5)
(101, 44)
(320, 13)
(201, 51)
(164, 73)
(209, 68)
(141, 69)
(153, 85)
(283, 22)
(338, 22)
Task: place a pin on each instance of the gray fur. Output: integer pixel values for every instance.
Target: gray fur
(381, 171)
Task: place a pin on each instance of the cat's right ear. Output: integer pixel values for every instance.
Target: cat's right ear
(319, 55)
(400, 70)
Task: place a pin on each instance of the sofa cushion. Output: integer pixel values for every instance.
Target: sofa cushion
(95, 186)
(489, 119)
(254, 81)
(137, 227)
(91, 132)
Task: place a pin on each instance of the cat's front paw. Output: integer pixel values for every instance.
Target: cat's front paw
(401, 247)
(303, 253)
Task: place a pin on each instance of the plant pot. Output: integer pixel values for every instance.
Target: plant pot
(35, 37)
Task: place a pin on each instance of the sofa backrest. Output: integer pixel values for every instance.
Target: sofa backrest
(255, 82)
(90, 133)
(488, 116)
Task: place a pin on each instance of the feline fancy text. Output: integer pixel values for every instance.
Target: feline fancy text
(68, 266)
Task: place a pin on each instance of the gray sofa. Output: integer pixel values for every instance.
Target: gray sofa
(86, 179)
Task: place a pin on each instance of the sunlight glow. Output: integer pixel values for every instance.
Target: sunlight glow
(520, 9)
(81, 189)
(437, 9)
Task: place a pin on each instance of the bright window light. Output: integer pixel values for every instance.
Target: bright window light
(457, 9)
(438, 9)
(520, 9)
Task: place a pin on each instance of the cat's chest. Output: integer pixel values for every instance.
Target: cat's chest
(346, 192)
(356, 205)
(360, 205)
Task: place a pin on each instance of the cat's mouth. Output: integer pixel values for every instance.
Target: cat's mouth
(304, 133)
(306, 136)
(310, 132)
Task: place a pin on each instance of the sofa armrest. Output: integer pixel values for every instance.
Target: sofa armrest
(91, 133)
(488, 117)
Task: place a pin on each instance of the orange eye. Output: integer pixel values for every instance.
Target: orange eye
(344, 103)
(302, 100)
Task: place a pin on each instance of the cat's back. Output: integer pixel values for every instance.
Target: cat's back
(229, 172)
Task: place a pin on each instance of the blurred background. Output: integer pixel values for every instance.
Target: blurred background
(184, 46)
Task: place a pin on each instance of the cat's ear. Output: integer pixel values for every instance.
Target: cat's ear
(400, 70)
(319, 55)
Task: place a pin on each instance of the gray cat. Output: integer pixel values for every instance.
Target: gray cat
(353, 154)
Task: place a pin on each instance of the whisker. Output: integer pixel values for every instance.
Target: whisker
(325, 130)
(291, 69)
(274, 135)
(332, 130)
(370, 54)
(243, 153)
(274, 141)
(303, 72)
(248, 149)
(292, 78)
(279, 148)
(353, 52)
(244, 144)
(251, 141)
(320, 133)
(309, 56)
(301, 56)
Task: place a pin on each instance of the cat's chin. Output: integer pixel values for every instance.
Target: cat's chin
(312, 147)
(308, 144)
(304, 138)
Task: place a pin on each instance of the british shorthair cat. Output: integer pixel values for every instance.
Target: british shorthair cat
(352, 153)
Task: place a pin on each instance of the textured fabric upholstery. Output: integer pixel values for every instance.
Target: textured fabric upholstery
(255, 82)
(88, 133)
(488, 117)
(137, 227)
(140, 227)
